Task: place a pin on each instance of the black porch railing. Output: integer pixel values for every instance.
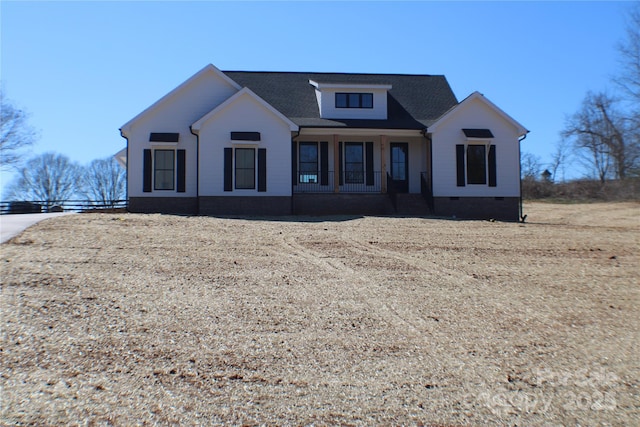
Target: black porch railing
(349, 182)
(392, 191)
(425, 190)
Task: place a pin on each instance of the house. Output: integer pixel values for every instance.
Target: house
(280, 143)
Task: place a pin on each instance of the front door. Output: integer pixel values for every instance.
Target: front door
(400, 166)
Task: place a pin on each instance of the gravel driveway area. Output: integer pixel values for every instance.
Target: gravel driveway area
(12, 225)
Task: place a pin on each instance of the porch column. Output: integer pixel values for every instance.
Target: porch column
(383, 163)
(336, 165)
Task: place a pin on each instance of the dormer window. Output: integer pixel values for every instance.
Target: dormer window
(360, 101)
(354, 100)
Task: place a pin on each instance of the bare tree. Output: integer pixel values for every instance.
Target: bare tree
(535, 183)
(594, 156)
(104, 181)
(629, 78)
(559, 160)
(530, 167)
(603, 136)
(15, 133)
(48, 178)
(605, 133)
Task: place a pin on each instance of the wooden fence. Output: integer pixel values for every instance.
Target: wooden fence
(44, 206)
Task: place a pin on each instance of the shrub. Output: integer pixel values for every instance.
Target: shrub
(582, 190)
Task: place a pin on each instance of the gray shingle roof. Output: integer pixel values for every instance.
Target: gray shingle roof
(414, 102)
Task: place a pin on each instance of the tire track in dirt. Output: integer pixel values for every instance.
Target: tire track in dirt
(434, 269)
(373, 299)
(422, 324)
(320, 260)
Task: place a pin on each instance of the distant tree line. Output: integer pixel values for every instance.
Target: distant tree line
(50, 177)
(586, 189)
(603, 136)
(53, 177)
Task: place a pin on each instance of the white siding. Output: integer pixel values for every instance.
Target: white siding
(476, 115)
(245, 114)
(175, 115)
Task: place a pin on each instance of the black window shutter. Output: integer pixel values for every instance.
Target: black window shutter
(340, 171)
(492, 166)
(324, 163)
(181, 171)
(460, 164)
(164, 137)
(146, 171)
(369, 162)
(228, 169)
(245, 136)
(294, 163)
(262, 169)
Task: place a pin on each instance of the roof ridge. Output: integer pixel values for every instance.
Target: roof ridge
(335, 73)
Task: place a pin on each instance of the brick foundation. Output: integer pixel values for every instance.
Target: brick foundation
(504, 209)
(251, 206)
(342, 204)
(168, 205)
(500, 208)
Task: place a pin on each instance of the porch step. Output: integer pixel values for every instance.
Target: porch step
(412, 204)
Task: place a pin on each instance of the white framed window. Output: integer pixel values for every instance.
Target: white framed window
(354, 100)
(476, 164)
(164, 167)
(245, 168)
(308, 162)
(353, 163)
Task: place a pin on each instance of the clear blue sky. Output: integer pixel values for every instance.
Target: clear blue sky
(82, 69)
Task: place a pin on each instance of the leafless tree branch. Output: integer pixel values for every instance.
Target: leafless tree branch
(47, 178)
(15, 133)
(603, 137)
(104, 181)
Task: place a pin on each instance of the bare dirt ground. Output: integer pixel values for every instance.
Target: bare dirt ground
(155, 319)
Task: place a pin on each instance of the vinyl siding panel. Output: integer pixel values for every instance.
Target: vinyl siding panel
(175, 115)
(449, 134)
(245, 115)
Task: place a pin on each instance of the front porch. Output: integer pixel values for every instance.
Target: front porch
(347, 182)
(316, 194)
(358, 163)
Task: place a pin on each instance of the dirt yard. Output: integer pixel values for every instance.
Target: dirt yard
(154, 319)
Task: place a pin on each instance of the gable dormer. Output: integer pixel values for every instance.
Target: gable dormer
(351, 101)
